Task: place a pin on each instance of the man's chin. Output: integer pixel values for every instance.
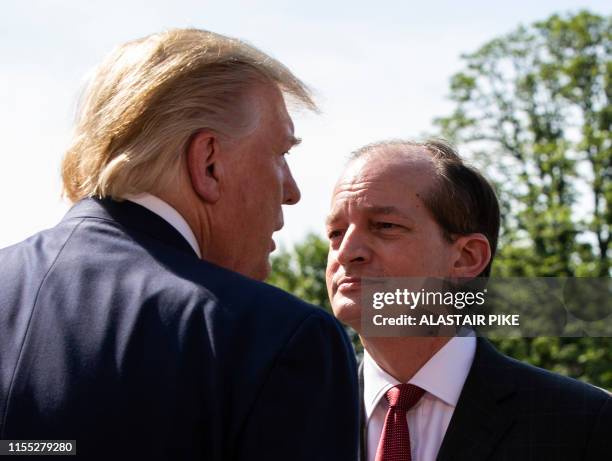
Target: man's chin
(259, 271)
(262, 271)
(261, 274)
(348, 312)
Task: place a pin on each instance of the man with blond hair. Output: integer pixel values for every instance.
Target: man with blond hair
(139, 325)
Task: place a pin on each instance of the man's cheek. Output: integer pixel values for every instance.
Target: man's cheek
(330, 270)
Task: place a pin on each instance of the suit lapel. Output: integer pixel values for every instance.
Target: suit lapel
(362, 454)
(132, 218)
(484, 411)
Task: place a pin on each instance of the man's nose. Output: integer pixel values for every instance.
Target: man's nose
(354, 248)
(291, 191)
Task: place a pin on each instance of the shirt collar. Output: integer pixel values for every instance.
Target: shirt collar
(442, 376)
(169, 214)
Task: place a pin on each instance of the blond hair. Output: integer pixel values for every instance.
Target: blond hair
(150, 96)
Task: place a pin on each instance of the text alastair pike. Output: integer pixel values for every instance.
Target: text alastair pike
(448, 320)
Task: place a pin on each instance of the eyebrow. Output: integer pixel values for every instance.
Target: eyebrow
(373, 209)
(388, 210)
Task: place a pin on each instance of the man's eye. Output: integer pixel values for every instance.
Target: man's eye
(333, 234)
(385, 225)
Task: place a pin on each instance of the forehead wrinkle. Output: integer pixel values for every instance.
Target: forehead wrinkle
(363, 204)
(414, 169)
(338, 203)
(382, 209)
(360, 190)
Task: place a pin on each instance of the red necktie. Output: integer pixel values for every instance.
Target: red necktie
(395, 439)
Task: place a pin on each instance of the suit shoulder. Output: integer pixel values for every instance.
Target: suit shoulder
(238, 293)
(237, 283)
(554, 387)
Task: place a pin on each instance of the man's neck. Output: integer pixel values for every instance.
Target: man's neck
(169, 214)
(403, 357)
(187, 204)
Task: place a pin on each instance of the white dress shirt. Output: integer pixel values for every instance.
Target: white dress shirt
(442, 378)
(168, 214)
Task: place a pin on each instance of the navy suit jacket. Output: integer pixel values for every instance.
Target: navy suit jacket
(510, 411)
(114, 333)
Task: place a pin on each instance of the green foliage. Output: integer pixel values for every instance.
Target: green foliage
(533, 108)
(587, 359)
(301, 271)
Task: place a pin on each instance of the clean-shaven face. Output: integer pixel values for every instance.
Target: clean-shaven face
(259, 183)
(378, 226)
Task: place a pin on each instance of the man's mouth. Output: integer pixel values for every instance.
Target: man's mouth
(353, 283)
(346, 284)
(278, 227)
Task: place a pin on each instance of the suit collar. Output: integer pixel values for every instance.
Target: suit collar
(442, 376)
(484, 411)
(132, 218)
(169, 214)
(362, 416)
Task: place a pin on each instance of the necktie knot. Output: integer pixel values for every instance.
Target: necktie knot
(404, 396)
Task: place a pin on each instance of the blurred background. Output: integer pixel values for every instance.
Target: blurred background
(523, 89)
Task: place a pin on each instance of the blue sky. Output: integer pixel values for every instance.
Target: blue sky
(379, 70)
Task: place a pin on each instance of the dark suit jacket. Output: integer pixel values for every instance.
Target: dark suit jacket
(114, 333)
(512, 411)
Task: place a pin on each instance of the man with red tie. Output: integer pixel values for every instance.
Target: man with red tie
(404, 209)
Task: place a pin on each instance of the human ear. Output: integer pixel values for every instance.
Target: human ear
(473, 253)
(205, 169)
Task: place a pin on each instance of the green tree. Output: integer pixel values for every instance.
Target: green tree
(533, 109)
(301, 271)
